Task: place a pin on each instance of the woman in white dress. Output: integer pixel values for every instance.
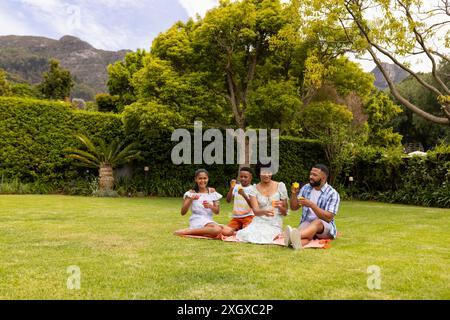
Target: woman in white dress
(203, 201)
(269, 203)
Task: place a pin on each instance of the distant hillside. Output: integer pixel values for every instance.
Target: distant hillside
(26, 57)
(394, 71)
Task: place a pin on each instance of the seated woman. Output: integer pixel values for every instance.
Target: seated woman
(203, 202)
(269, 203)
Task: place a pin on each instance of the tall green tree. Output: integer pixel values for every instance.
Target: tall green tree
(120, 75)
(392, 29)
(331, 125)
(57, 83)
(381, 110)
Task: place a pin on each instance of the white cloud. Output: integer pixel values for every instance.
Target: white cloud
(198, 6)
(45, 5)
(11, 26)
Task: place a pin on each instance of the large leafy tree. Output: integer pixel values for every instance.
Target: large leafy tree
(120, 77)
(57, 83)
(331, 124)
(381, 110)
(209, 69)
(392, 30)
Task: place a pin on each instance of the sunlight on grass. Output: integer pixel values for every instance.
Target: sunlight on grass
(125, 250)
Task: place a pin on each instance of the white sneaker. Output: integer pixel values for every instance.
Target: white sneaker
(296, 241)
(287, 236)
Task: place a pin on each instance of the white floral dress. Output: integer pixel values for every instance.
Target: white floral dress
(201, 216)
(264, 229)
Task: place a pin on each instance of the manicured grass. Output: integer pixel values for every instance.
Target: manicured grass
(125, 250)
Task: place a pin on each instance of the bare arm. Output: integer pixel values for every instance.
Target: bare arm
(186, 205)
(257, 211)
(320, 213)
(230, 191)
(294, 200)
(282, 206)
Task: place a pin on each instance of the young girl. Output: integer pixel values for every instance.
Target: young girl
(203, 202)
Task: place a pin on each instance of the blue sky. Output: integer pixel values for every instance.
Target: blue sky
(106, 24)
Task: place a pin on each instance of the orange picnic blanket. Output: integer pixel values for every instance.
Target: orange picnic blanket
(313, 244)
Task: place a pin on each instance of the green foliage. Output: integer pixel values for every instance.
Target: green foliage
(115, 153)
(57, 83)
(389, 176)
(120, 77)
(25, 90)
(381, 110)
(297, 156)
(5, 86)
(396, 29)
(14, 186)
(184, 93)
(150, 120)
(274, 105)
(412, 126)
(35, 133)
(330, 124)
(348, 77)
(107, 103)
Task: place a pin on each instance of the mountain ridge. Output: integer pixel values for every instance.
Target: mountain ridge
(27, 57)
(394, 72)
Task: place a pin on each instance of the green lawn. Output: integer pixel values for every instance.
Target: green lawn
(125, 250)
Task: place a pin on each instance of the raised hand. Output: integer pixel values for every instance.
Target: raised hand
(295, 188)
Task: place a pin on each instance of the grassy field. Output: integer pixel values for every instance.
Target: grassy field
(125, 250)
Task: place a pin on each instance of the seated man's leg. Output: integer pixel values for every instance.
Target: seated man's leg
(326, 234)
(309, 230)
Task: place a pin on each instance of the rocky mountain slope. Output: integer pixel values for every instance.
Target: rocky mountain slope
(394, 71)
(26, 57)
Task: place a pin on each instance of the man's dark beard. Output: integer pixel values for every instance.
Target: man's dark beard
(315, 183)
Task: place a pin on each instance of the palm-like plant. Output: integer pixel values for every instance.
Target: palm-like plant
(104, 157)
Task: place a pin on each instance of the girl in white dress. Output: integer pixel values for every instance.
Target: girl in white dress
(269, 203)
(203, 202)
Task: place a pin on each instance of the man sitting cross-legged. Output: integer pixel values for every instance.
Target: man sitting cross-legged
(320, 203)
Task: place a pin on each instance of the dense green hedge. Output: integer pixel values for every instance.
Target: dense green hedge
(34, 134)
(409, 180)
(164, 178)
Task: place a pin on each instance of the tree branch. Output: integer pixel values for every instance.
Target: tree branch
(421, 41)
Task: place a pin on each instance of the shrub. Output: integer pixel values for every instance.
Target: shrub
(35, 133)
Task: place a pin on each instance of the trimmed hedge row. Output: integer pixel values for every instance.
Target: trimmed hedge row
(416, 180)
(34, 134)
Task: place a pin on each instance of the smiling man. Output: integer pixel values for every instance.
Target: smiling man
(320, 203)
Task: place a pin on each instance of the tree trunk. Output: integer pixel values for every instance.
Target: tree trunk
(106, 176)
